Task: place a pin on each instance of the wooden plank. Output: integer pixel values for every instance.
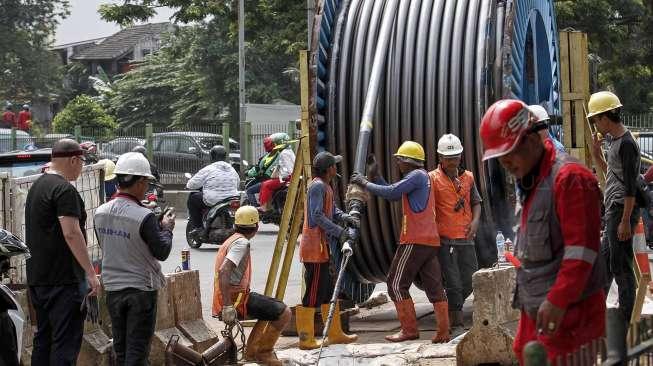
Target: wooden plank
(184, 287)
(565, 89)
(566, 124)
(579, 73)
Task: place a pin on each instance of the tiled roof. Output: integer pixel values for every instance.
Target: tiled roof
(122, 42)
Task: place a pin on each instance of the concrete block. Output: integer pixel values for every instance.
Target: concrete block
(184, 288)
(165, 313)
(494, 320)
(159, 342)
(96, 349)
(199, 334)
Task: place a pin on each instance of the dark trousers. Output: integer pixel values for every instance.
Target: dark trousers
(195, 207)
(60, 323)
(619, 258)
(133, 316)
(319, 284)
(411, 261)
(251, 193)
(458, 264)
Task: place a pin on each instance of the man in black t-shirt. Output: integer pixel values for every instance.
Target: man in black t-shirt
(59, 271)
(622, 168)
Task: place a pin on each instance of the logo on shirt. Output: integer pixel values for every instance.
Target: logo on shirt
(113, 232)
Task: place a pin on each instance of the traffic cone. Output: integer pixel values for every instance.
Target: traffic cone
(641, 249)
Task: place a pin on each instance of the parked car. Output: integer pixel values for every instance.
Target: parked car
(23, 140)
(22, 163)
(116, 147)
(49, 139)
(182, 152)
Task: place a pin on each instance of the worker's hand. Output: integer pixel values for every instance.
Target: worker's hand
(351, 220)
(168, 220)
(597, 144)
(624, 231)
(372, 167)
(229, 315)
(358, 179)
(93, 284)
(471, 229)
(549, 318)
(348, 234)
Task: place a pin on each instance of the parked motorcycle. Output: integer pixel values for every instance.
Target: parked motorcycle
(154, 199)
(12, 317)
(217, 223)
(273, 215)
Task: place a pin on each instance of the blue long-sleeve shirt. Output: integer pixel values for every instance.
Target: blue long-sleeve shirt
(316, 214)
(415, 184)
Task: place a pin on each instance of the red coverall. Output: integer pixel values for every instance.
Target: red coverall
(578, 205)
(23, 117)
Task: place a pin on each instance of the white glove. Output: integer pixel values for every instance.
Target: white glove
(229, 315)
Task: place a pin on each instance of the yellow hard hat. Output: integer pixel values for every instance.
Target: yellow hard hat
(247, 216)
(602, 102)
(109, 169)
(411, 149)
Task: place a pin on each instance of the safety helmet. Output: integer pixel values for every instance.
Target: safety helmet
(280, 138)
(133, 163)
(411, 150)
(246, 216)
(268, 144)
(109, 169)
(25, 106)
(602, 102)
(140, 149)
(449, 145)
(218, 153)
(539, 112)
(503, 126)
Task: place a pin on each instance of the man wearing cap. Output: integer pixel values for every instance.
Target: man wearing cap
(458, 207)
(59, 271)
(233, 271)
(320, 229)
(419, 242)
(133, 241)
(559, 285)
(622, 170)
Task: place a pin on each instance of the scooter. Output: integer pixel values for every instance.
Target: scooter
(217, 223)
(273, 215)
(12, 317)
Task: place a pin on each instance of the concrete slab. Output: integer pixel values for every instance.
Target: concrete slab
(384, 318)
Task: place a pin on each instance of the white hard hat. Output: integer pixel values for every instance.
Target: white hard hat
(539, 112)
(449, 145)
(133, 163)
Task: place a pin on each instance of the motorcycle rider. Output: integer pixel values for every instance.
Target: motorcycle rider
(216, 181)
(282, 172)
(155, 171)
(262, 171)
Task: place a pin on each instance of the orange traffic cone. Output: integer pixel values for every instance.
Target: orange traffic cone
(641, 249)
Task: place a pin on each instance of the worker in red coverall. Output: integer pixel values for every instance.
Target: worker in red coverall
(8, 118)
(559, 284)
(24, 119)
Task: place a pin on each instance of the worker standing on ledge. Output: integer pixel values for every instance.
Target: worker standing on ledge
(319, 229)
(560, 281)
(419, 241)
(458, 208)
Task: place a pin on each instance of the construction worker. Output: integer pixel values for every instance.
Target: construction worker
(542, 116)
(560, 280)
(419, 242)
(24, 119)
(133, 241)
(110, 182)
(262, 171)
(458, 207)
(8, 118)
(282, 172)
(319, 230)
(622, 170)
(233, 270)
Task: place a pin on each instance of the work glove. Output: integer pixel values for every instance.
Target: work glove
(348, 234)
(358, 179)
(351, 220)
(229, 315)
(372, 167)
(92, 308)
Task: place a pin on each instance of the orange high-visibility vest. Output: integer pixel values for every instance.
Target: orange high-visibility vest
(419, 227)
(240, 293)
(452, 224)
(314, 246)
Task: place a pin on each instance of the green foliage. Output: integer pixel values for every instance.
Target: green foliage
(28, 70)
(85, 112)
(621, 33)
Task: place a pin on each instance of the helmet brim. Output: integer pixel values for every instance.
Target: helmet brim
(501, 150)
(451, 153)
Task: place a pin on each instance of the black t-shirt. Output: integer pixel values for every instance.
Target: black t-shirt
(52, 263)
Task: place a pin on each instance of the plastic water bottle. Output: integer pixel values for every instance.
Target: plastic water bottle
(501, 242)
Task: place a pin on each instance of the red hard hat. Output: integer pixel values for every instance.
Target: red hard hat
(268, 144)
(503, 126)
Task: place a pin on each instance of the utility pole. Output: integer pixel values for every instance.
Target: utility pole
(241, 76)
(310, 16)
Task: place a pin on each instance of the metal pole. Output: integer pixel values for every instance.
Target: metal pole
(241, 71)
(149, 133)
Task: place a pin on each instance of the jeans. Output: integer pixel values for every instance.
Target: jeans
(133, 316)
(60, 323)
(251, 193)
(458, 264)
(619, 258)
(195, 207)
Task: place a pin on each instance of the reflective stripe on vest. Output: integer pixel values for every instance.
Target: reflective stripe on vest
(240, 293)
(314, 245)
(419, 227)
(451, 223)
(540, 247)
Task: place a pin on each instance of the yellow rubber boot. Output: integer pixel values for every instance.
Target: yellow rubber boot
(305, 319)
(336, 335)
(254, 340)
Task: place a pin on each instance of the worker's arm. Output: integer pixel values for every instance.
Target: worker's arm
(316, 193)
(393, 192)
(597, 153)
(224, 275)
(75, 239)
(286, 163)
(157, 238)
(578, 205)
(630, 162)
(197, 181)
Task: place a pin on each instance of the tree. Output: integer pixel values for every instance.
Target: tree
(27, 69)
(85, 112)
